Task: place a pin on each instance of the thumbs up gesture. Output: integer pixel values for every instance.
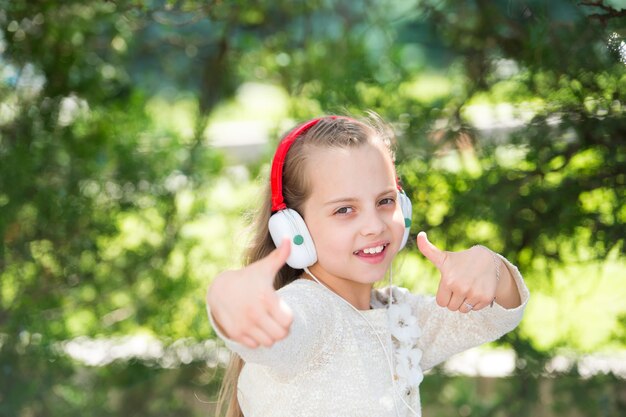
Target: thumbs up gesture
(245, 305)
(469, 280)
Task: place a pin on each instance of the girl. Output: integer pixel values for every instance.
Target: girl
(310, 335)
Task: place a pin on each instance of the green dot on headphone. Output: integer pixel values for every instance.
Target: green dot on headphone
(298, 239)
(407, 222)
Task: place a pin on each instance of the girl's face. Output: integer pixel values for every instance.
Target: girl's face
(353, 215)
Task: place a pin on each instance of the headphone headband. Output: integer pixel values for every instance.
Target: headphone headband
(278, 164)
(278, 202)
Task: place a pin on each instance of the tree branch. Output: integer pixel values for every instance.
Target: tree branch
(611, 12)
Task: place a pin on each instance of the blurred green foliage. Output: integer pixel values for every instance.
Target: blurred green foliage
(116, 210)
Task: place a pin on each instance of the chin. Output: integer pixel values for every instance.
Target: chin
(373, 277)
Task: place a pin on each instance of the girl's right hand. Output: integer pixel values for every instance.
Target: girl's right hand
(245, 306)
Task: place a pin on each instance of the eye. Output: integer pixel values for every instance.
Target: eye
(387, 201)
(344, 210)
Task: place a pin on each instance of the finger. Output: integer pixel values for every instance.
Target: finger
(468, 306)
(281, 313)
(278, 257)
(272, 328)
(479, 306)
(456, 301)
(249, 342)
(257, 334)
(443, 295)
(277, 309)
(430, 251)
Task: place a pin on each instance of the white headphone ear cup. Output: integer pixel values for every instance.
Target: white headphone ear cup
(289, 223)
(407, 213)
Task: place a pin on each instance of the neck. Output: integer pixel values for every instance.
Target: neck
(357, 294)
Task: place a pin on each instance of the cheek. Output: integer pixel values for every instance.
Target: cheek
(332, 238)
(322, 236)
(398, 224)
(329, 238)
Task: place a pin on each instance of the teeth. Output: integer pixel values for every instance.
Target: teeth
(377, 249)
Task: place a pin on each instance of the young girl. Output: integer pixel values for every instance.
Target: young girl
(310, 335)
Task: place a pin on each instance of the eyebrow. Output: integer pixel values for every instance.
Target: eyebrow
(353, 199)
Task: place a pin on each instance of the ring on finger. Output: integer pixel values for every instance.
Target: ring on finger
(468, 305)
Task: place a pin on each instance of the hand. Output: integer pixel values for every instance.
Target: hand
(468, 278)
(245, 305)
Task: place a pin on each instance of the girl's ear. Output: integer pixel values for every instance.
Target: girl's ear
(289, 223)
(407, 213)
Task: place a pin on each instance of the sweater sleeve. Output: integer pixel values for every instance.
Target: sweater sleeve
(445, 333)
(310, 328)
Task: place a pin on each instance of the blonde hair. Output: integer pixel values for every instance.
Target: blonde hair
(329, 132)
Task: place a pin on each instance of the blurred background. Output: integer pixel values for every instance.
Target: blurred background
(135, 136)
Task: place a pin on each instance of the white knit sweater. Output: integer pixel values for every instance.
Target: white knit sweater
(332, 364)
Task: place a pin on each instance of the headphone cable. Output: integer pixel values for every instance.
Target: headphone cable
(382, 345)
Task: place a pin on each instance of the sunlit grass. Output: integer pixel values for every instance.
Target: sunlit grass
(581, 310)
(254, 101)
(176, 116)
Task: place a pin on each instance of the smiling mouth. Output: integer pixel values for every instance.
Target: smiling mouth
(373, 251)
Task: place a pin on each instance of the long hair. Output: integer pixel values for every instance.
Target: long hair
(340, 132)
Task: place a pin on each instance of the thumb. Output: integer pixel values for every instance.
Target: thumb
(278, 257)
(430, 251)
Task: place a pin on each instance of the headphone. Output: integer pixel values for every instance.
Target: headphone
(288, 222)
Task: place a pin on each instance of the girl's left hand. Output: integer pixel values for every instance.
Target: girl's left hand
(468, 278)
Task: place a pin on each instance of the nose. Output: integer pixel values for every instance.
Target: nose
(373, 223)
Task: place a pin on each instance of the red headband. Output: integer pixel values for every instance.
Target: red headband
(278, 202)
